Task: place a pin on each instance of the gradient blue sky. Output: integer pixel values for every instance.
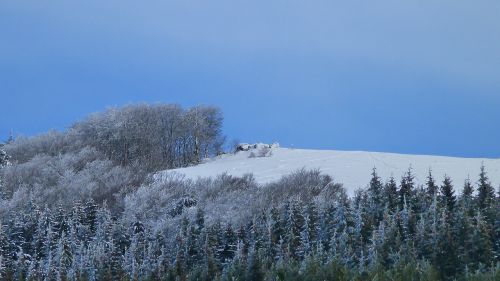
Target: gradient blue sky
(420, 77)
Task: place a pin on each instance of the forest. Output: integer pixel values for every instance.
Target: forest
(88, 204)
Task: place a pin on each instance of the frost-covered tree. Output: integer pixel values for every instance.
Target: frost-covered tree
(391, 194)
(235, 228)
(447, 194)
(486, 192)
(375, 206)
(431, 186)
(4, 162)
(467, 198)
(4, 157)
(407, 188)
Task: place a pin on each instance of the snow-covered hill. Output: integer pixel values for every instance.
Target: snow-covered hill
(352, 168)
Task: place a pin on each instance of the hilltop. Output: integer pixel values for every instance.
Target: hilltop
(351, 168)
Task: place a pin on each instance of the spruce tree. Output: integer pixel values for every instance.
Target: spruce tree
(358, 237)
(90, 220)
(391, 194)
(467, 198)
(4, 157)
(431, 186)
(313, 222)
(276, 225)
(447, 194)
(482, 250)
(496, 232)
(180, 265)
(295, 226)
(210, 267)
(375, 200)
(4, 162)
(406, 190)
(447, 260)
(229, 245)
(305, 247)
(486, 192)
(463, 229)
(254, 268)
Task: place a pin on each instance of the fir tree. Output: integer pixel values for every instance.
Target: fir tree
(358, 239)
(446, 253)
(482, 248)
(229, 245)
(431, 186)
(4, 157)
(295, 226)
(4, 162)
(211, 268)
(180, 266)
(447, 194)
(376, 200)
(305, 247)
(391, 194)
(463, 229)
(313, 222)
(276, 226)
(467, 198)
(486, 192)
(406, 190)
(254, 268)
(90, 219)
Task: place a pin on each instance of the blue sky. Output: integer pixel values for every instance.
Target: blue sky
(420, 77)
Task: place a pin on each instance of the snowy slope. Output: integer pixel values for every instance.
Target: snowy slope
(352, 168)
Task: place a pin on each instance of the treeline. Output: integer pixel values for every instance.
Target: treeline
(159, 136)
(392, 230)
(109, 154)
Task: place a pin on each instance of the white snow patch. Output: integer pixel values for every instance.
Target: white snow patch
(351, 168)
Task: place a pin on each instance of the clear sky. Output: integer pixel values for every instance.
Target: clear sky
(413, 76)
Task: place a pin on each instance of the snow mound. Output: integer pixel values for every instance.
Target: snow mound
(248, 147)
(351, 168)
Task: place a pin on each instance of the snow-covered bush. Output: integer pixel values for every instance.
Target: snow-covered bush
(259, 150)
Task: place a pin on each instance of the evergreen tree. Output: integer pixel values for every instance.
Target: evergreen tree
(432, 188)
(305, 247)
(313, 222)
(180, 265)
(4, 157)
(486, 192)
(406, 190)
(193, 247)
(376, 201)
(254, 269)
(64, 257)
(276, 228)
(447, 194)
(243, 244)
(406, 217)
(200, 220)
(90, 219)
(463, 230)
(211, 267)
(391, 194)
(295, 226)
(482, 250)
(4, 162)
(4, 252)
(358, 239)
(446, 253)
(496, 234)
(467, 198)
(229, 245)
(327, 229)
